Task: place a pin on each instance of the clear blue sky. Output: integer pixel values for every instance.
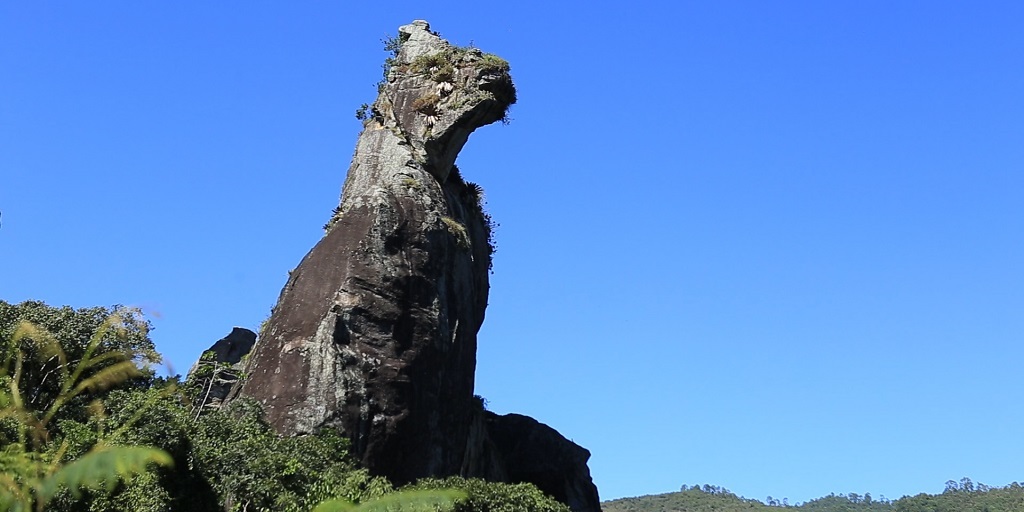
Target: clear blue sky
(773, 246)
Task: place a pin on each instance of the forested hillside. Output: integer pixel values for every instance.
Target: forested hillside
(962, 496)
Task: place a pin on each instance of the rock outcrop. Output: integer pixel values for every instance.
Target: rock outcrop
(375, 331)
(219, 368)
(518, 448)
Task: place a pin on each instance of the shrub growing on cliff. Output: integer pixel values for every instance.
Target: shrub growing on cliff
(458, 231)
(491, 62)
(438, 66)
(335, 217)
(392, 45)
(426, 104)
(476, 196)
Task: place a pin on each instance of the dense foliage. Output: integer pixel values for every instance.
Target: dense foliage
(53, 341)
(962, 496)
(481, 496)
(51, 378)
(965, 496)
(86, 426)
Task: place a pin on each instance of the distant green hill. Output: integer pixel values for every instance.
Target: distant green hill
(963, 496)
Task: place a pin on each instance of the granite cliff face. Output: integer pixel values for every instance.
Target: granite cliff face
(375, 332)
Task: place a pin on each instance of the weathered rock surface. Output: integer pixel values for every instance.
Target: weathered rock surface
(521, 449)
(217, 371)
(375, 332)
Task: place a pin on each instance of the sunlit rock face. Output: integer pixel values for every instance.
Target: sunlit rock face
(374, 333)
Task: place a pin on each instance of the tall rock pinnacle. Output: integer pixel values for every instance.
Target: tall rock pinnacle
(374, 333)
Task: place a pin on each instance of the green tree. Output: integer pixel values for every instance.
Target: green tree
(39, 381)
(107, 340)
(251, 468)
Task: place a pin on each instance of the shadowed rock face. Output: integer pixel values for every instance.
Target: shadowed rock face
(375, 332)
(517, 448)
(218, 369)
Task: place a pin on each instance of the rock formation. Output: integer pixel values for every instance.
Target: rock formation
(521, 449)
(219, 368)
(375, 332)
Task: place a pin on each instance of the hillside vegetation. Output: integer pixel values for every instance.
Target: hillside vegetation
(87, 426)
(962, 496)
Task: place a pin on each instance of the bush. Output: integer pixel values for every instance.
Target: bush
(483, 496)
(253, 469)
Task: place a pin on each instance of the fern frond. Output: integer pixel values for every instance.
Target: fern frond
(108, 377)
(102, 468)
(101, 380)
(106, 357)
(43, 339)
